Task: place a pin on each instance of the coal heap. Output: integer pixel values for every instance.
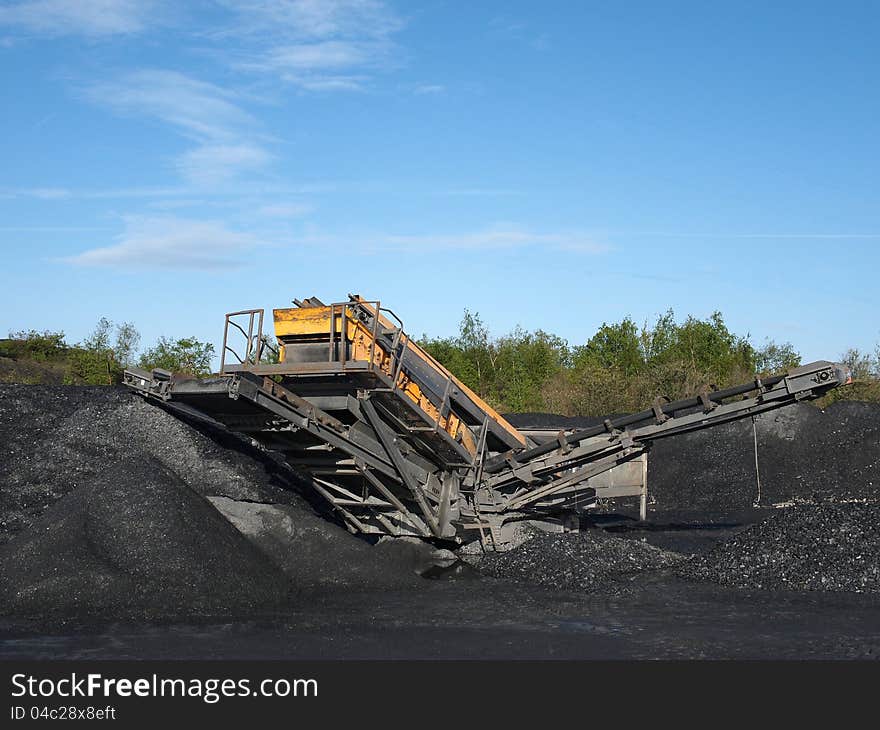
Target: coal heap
(577, 560)
(54, 440)
(110, 505)
(136, 542)
(804, 454)
(824, 547)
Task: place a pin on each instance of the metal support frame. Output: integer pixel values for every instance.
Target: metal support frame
(390, 443)
(380, 477)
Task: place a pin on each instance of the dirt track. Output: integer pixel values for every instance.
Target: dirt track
(186, 543)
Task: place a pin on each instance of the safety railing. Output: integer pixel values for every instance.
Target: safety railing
(246, 330)
(359, 311)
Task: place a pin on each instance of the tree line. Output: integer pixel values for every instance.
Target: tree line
(623, 367)
(102, 356)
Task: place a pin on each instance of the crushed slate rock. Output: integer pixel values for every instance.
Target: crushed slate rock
(584, 561)
(823, 547)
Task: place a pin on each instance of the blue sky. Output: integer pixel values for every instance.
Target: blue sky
(552, 165)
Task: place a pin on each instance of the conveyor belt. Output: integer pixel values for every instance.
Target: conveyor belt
(382, 475)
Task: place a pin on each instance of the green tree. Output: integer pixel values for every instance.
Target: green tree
(126, 343)
(862, 364)
(614, 346)
(620, 368)
(270, 351)
(33, 345)
(102, 356)
(523, 362)
(706, 347)
(468, 356)
(773, 358)
(186, 355)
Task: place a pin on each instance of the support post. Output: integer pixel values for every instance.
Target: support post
(643, 500)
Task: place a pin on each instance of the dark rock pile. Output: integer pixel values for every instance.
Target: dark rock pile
(825, 547)
(580, 561)
(110, 505)
(54, 440)
(136, 542)
(804, 454)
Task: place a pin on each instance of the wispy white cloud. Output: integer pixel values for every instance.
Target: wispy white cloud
(78, 17)
(480, 192)
(240, 190)
(50, 229)
(804, 235)
(321, 55)
(429, 89)
(498, 237)
(205, 113)
(501, 238)
(317, 45)
(171, 243)
(286, 210)
(319, 82)
(198, 109)
(213, 163)
(314, 18)
(46, 193)
(519, 31)
(210, 245)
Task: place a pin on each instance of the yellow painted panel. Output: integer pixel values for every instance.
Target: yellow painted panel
(305, 321)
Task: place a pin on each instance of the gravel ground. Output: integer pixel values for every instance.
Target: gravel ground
(585, 561)
(825, 547)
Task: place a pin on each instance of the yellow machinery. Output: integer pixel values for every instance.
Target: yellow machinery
(341, 332)
(396, 445)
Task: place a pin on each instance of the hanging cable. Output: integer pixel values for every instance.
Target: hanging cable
(757, 467)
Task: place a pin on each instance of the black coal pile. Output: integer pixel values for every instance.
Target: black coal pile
(54, 440)
(182, 496)
(136, 542)
(804, 454)
(317, 554)
(824, 547)
(577, 561)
